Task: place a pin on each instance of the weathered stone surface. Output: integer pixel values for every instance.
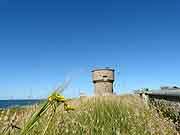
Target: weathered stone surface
(103, 81)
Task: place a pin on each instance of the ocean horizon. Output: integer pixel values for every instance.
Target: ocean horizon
(10, 103)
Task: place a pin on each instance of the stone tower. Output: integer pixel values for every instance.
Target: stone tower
(103, 81)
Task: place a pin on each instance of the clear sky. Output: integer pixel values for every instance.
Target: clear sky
(44, 41)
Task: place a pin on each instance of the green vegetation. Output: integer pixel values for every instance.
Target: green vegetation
(117, 115)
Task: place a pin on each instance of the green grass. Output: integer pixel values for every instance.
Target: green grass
(122, 115)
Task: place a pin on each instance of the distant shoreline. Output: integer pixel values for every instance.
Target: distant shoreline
(10, 103)
(20, 99)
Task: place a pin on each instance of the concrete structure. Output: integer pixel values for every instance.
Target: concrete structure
(103, 81)
(82, 94)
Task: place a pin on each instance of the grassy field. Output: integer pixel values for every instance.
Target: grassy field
(116, 115)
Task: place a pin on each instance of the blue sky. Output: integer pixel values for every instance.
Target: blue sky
(42, 42)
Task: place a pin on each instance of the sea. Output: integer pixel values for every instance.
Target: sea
(18, 103)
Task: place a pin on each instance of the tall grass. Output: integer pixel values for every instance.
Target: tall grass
(116, 115)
